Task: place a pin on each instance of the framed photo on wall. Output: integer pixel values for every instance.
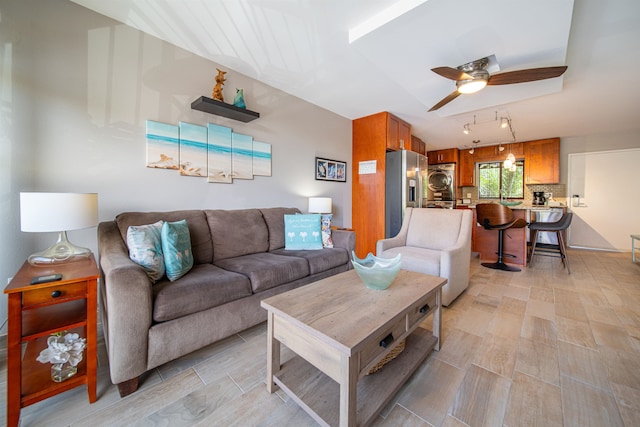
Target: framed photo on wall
(331, 170)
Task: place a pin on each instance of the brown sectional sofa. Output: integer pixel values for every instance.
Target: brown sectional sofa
(239, 259)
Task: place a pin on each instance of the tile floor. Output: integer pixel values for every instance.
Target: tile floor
(534, 348)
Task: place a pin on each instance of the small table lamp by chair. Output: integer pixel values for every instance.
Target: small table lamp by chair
(58, 212)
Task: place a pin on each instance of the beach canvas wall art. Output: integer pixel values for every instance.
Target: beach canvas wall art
(193, 150)
(163, 145)
(211, 151)
(261, 158)
(242, 156)
(219, 154)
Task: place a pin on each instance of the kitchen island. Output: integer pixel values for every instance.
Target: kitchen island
(516, 240)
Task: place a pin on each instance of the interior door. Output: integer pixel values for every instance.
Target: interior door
(607, 213)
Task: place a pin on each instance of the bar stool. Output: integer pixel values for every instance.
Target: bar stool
(493, 216)
(547, 249)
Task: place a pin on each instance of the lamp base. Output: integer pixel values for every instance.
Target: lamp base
(61, 252)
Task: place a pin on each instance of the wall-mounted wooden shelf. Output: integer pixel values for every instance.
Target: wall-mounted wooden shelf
(229, 111)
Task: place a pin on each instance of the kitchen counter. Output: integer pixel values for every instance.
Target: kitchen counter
(485, 242)
(518, 207)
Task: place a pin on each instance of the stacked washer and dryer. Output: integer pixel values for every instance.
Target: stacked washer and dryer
(441, 187)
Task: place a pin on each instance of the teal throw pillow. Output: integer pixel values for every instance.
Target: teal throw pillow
(145, 248)
(302, 232)
(176, 247)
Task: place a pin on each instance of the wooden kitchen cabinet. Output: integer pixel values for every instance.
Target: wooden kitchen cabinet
(437, 157)
(418, 145)
(542, 161)
(371, 138)
(515, 148)
(398, 133)
(36, 312)
(466, 169)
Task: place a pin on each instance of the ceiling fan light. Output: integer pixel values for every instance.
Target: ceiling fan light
(471, 86)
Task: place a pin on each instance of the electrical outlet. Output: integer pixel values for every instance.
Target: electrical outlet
(468, 195)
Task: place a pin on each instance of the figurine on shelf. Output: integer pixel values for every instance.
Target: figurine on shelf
(217, 89)
(239, 99)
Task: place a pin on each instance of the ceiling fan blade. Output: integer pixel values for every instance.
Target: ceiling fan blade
(447, 99)
(523, 76)
(451, 73)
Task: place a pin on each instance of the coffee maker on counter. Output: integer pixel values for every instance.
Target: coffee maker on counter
(538, 198)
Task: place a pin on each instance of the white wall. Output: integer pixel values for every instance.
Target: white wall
(76, 89)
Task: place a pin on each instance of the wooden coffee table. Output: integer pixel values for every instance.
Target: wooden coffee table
(339, 330)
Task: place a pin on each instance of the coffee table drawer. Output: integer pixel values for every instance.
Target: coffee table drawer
(421, 310)
(383, 341)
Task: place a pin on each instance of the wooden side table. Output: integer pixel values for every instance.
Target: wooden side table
(36, 312)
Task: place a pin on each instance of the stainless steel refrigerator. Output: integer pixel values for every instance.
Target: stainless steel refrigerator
(405, 186)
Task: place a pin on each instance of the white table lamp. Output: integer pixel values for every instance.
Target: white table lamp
(58, 212)
(320, 204)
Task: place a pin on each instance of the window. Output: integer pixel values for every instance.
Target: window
(493, 178)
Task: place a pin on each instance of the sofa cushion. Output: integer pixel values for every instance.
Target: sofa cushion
(205, 286)
(199, 233)
(266, 270)
(237, 232)
(176, 248)
(319, 261)
(145, 249)
(274, 217)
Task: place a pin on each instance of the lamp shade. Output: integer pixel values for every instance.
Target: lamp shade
(320, 204)
(47, 212)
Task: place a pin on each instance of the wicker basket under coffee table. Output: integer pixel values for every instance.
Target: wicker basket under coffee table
(341, 330)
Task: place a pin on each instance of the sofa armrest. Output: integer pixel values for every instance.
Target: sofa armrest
(127, 305)
(345, 239)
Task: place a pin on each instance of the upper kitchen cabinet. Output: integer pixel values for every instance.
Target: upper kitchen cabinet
(398, 133)
(515, 148)
(542, 161)
(466, 169)
(443, 156)
(418, 145)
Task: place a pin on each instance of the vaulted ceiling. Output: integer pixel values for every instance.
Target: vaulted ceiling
(303, 48)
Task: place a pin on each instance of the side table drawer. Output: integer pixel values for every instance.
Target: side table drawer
(374, 347)
(420, 311)
(54, 293)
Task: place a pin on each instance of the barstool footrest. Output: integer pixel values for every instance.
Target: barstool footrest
(500, 266)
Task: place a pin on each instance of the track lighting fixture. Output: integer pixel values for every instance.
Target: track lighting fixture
(473, 148)
(503, 123)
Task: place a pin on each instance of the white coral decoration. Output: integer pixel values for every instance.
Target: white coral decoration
(67, 350)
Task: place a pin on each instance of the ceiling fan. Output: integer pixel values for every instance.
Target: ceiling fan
(473, 76)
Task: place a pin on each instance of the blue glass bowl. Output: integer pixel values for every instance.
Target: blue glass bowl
(376, 273)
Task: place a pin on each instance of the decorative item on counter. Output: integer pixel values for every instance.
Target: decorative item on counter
(64, 352)
(217, 89)
(239, 99)
(376, 273)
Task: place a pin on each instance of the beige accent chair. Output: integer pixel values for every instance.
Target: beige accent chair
(435, 242)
